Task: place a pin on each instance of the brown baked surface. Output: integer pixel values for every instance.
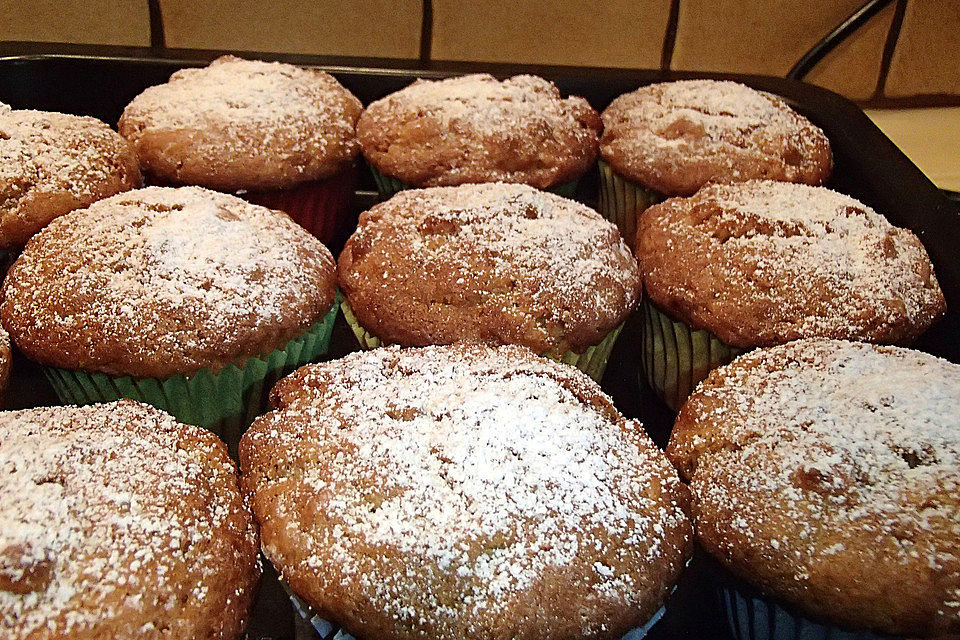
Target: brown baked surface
(119, 522)
(463, 492)
(676, 137)
(496, 263)
(164, 281)
(760, 263)
(243, 124)
(52, 163)
(827, 473)
(477, 129)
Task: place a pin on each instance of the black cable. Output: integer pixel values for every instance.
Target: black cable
(426, 32)
(670, 39)
(157, 36)
(829, 42)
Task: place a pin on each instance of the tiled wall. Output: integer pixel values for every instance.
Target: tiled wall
(763, 36)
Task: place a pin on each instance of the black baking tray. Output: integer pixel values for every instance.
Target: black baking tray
(100, 81)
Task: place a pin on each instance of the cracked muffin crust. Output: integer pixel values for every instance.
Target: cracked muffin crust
(675, 137)
(827, 474)
(165, 281)
(463, 491)
(243, 124)
(498, 263)
(761, 262)
(52, 163)
(476, 128)
(119, 522)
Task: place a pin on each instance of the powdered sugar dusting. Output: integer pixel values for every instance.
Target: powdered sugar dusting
(488, 469)
(486, 105)
(101, 526)
(476, 128)
(233, 95)
(54, 153)
(744, 134)
(821, 262)
(857, 446)
(183, 272)
(534, 256)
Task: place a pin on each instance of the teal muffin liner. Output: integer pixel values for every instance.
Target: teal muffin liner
(224, 403)
(310, 626)
(388, 186)
(752, 617)
(622, 201)
(593, 361)
(675, 357)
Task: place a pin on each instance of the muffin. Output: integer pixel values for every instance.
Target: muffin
(761, 263)
(278, 135)
(119, 522)
(670, 139)
(53, 163)
(188, 299)
(476, 128)
(463, 491)
(497, 263)
(826, 474)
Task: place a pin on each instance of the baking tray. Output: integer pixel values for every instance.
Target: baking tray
(100, 81)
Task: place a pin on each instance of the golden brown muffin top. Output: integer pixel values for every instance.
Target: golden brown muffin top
(827, 473)
(164, 281)
(476, 128)
(243, 124)
(119, 522)
(52, 163)
(463, 491)
(495, 263)
(674, 137)
(760, 263)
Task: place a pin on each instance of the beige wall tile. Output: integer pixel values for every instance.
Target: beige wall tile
(927, 57)
(119, 22)
(378, 28)
(929, 137)
(764, 36)
(853, 68)
(618, 33)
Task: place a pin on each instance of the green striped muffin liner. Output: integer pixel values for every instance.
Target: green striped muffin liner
(388, 186)
(675, 357)
(593, 361)
(622, 201)
(225, 402)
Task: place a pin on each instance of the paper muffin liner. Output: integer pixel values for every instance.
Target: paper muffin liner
(310, 626)
(225, 402)
(754, 618)
(622, 201)
(322, 207)
(675, 358)
(388, 186)
(592, 362)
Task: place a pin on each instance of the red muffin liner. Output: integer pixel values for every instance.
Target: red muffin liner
(322, 207)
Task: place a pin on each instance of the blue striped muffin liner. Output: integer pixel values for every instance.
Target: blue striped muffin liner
(622, 202)
(674, 357)
(388, 186)
(593, 361)
(753, 618)
(225, 402)
(311, 626)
